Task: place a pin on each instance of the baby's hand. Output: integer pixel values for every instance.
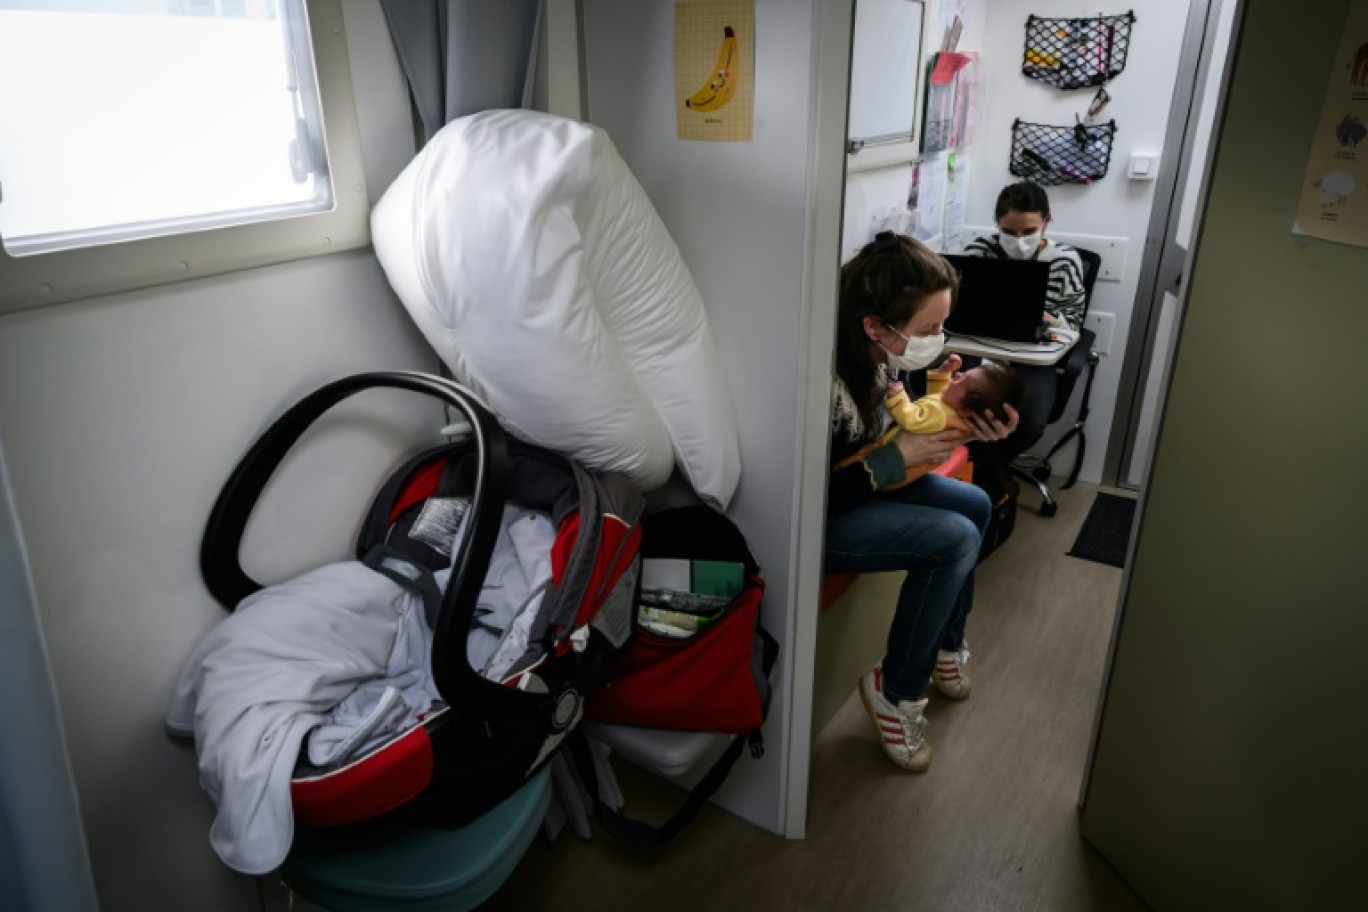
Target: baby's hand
(894, 387)
(951, 363)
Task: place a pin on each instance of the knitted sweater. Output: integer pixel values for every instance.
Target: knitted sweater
(865, 460)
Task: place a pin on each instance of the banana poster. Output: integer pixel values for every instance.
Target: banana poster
(1334, 197)
(715, 69)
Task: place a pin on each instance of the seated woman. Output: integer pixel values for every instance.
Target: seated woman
(894, 297)
(1022, 215)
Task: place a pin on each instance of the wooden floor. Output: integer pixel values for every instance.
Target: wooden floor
(993, 825)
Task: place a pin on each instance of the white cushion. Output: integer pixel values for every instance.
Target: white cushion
(535, 265)
(650, 303)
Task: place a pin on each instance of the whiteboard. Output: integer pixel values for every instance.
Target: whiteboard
(885, 69)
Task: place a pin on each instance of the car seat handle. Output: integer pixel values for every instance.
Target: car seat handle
(220, 562)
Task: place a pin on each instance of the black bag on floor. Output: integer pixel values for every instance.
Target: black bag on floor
(1002, 489)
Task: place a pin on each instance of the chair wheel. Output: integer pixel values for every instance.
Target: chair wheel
(1049, 508)
(1041, 472)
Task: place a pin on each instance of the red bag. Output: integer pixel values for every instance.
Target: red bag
(716, 680)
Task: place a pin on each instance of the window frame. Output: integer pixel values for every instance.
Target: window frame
(59, 276)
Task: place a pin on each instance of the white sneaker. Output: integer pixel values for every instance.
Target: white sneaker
(949, 676)
(899, 728)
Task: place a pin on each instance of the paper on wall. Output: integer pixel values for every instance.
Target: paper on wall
(931, 174)
(956, 190)
(715, 70)
(1334, 196)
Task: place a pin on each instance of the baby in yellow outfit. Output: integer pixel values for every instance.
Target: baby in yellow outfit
(949, 397)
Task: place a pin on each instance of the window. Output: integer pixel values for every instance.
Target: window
(155, 135)
(885, 77)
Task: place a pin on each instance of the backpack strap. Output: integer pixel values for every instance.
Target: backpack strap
(637, 833)
(375, 527)
(642, 835)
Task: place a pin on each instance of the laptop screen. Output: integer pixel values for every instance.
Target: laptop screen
(999, 299)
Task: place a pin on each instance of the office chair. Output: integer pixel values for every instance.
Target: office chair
(1037, 470)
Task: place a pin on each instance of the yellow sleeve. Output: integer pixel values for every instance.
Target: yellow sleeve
(924, 416)
(937, 381)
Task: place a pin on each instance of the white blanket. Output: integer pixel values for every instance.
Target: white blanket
(258, 682)
(340, 655)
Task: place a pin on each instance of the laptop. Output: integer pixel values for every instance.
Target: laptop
(999, 299)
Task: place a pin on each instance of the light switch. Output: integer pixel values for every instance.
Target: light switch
(1143, 166)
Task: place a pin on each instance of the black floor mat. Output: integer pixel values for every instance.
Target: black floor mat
(1106, 531)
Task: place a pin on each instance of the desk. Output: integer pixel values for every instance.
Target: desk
(1043, 355)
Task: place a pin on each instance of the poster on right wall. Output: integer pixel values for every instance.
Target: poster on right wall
(1334, 197)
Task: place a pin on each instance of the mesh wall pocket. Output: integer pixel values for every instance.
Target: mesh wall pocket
(1076, 53)
(1048, 155)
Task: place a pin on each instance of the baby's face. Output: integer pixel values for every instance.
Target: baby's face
(975, 380)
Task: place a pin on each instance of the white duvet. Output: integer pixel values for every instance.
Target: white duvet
(535, 265)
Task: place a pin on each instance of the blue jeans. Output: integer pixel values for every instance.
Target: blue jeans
(932, 529)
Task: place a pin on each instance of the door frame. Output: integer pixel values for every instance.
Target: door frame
(1156, 300)
(1164, 263)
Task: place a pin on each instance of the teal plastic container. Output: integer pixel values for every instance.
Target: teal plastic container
(397, 863)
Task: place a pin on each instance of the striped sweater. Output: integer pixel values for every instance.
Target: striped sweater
(1065, 298)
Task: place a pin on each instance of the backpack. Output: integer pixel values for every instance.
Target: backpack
(443, 508)
(716, 680)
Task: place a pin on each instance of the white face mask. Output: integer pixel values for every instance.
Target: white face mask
(1020, 248)
(920, 351)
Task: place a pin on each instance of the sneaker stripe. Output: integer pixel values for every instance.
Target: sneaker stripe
(900, 734)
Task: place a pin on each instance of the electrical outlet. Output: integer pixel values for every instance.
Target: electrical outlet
(1102, 324)
(1113, 251)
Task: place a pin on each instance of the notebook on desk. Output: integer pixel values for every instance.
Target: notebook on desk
(999, 299)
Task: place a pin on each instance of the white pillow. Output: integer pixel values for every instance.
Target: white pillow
(479, 240)
(535, 265)
(650, 303)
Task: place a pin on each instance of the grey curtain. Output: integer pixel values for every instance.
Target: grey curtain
(463, 56)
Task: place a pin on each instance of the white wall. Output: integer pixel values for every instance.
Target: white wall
(870, 195)
(1114, 206)
(120, 418)
(1111, 207)
(741, 215)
